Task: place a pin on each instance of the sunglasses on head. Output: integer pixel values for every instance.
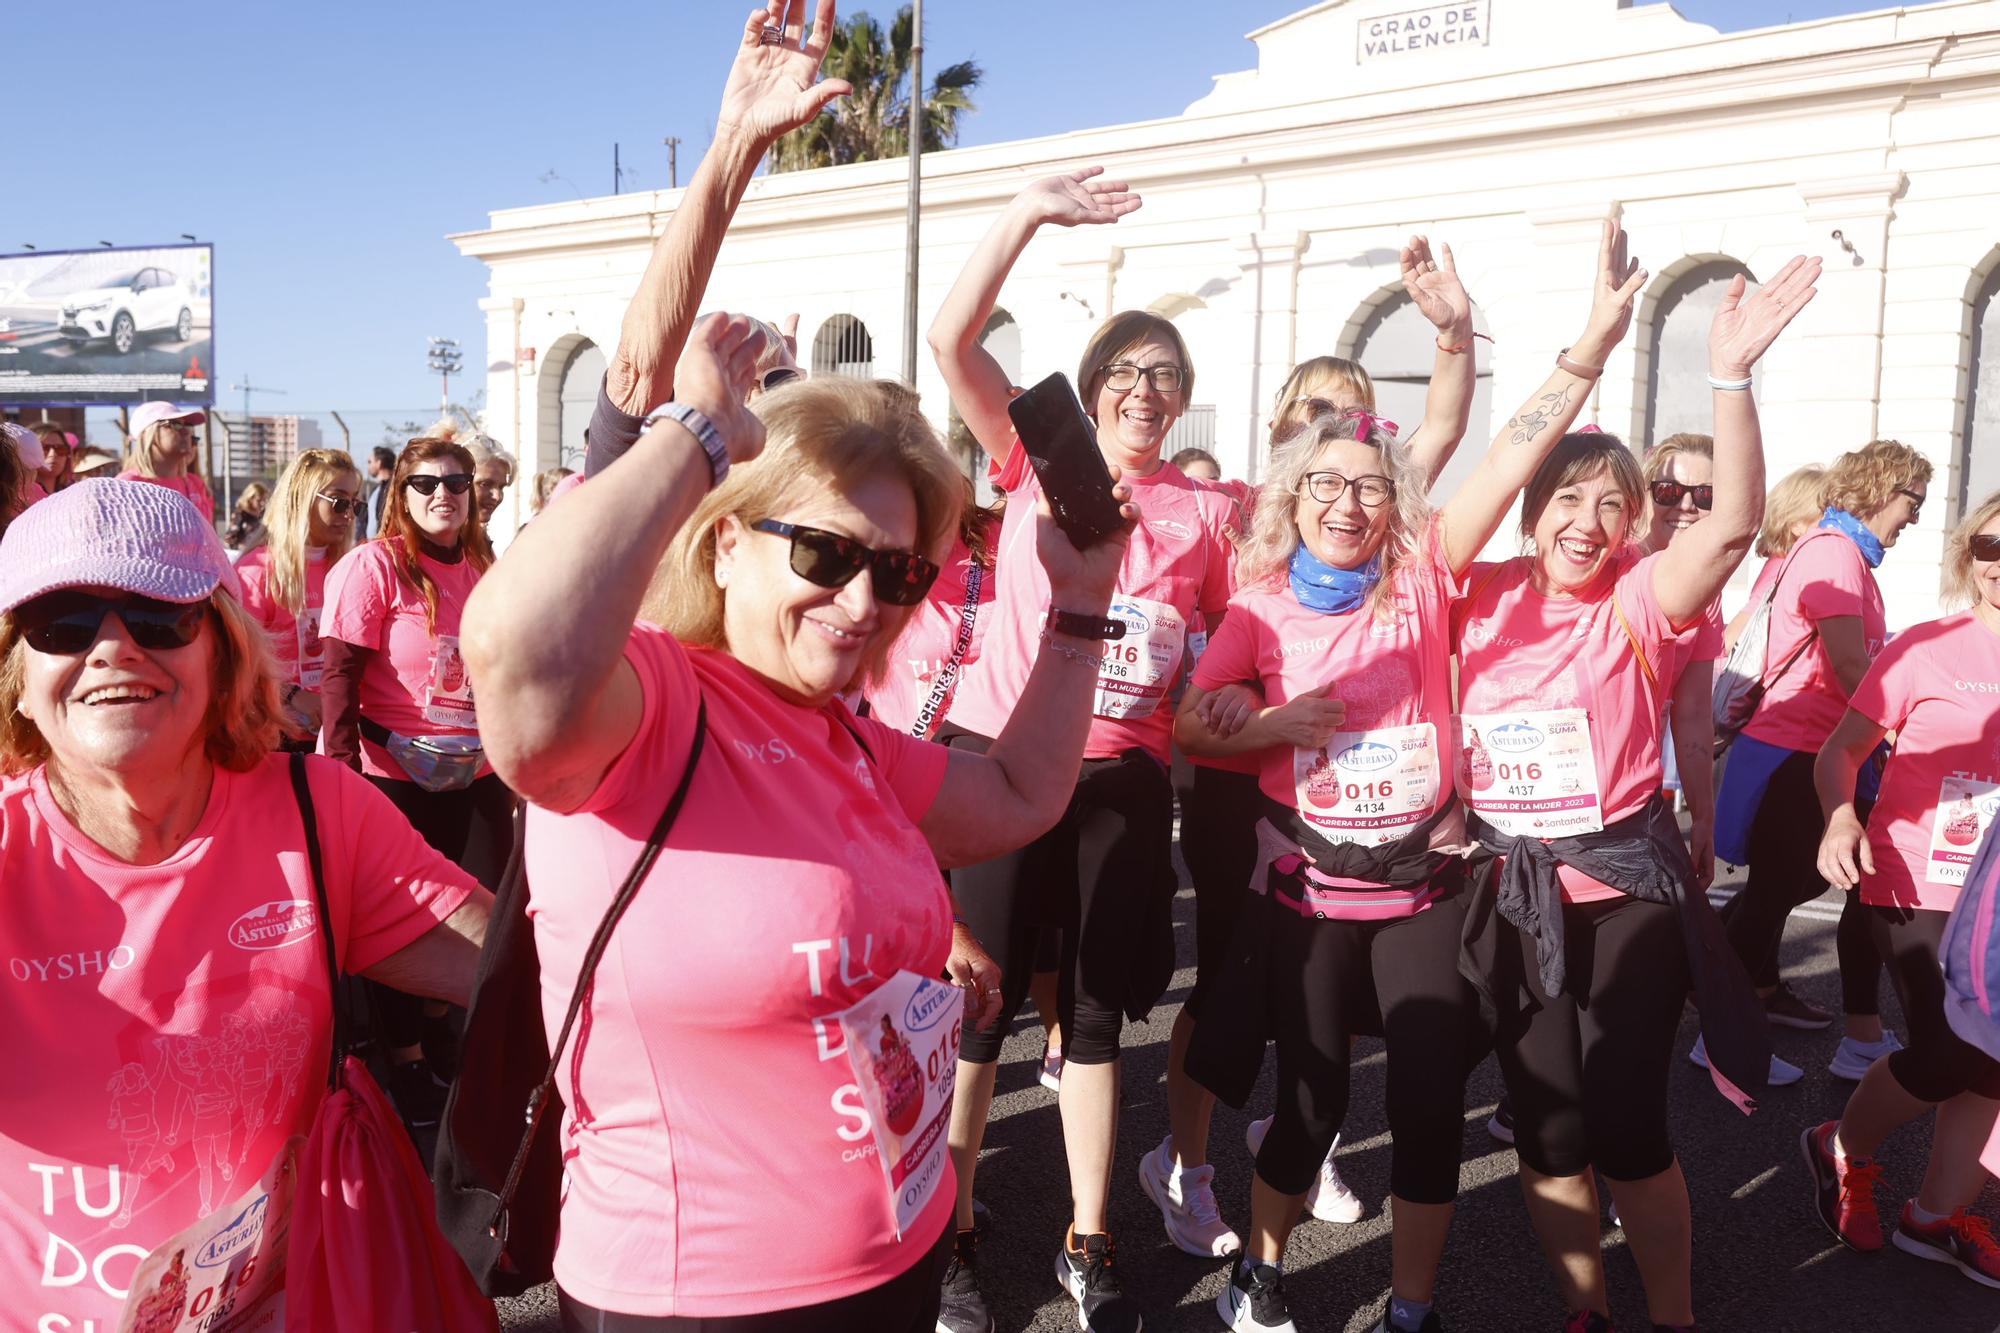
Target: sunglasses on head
(425, 483)
(1986, 546)
(901, 578)
(68, 622)
(1667, 494)
(342, 505)
(777, 375)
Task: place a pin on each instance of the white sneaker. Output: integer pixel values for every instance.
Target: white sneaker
(1186, 1200)
(1329, 1199)
(1783, 1072)
(1851, 1061)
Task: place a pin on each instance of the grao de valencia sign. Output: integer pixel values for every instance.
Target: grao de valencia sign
(1416, 32)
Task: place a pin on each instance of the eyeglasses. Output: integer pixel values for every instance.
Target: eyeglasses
(1986, 546)
(777, 375)
(342, 505)
(1916, 501)
(67, 622)
(1122, 375)
(900, 578)
(426, 483)
(1666, 494)
(1370, 490)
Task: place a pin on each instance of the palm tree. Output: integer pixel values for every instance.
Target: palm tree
(873, 122)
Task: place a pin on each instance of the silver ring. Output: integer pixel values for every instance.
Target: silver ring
(773, 35)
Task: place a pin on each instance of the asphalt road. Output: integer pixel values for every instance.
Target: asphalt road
(1762, 1261)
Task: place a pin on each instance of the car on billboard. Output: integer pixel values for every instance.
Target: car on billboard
(119, 310)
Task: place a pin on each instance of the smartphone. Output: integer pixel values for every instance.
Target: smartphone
(1062, 448)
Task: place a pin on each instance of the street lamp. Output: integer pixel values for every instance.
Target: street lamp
(445, 360)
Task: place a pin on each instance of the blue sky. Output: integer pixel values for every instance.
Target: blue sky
(326, 150)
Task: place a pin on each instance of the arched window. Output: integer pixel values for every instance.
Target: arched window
(842, 347)
(1979, 452)
(581, 376)
(1397, 346)
(1677, 394)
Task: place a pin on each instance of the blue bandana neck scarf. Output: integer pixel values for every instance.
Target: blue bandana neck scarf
(1328, 589)
(1853, 529)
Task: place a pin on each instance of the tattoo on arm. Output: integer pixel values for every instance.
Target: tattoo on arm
(1535, 420)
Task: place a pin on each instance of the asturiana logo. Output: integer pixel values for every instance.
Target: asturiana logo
(273, 925)
(1365, 757)
(931, 1003)
(1168, 527)
(1136, 621)
(1515, 737)
(237, 1234)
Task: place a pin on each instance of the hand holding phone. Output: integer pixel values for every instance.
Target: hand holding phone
(1061, 444)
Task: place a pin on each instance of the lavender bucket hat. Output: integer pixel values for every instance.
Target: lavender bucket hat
(130, 535)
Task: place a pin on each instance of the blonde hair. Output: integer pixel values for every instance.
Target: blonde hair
(1289, 416)
(546, 482)
(244, 717)
(1863, 481)
(1266, 551)
(821, 434)
(1957, 588)
(1577, 457)
(1686, 442)
(256, 490)
(1796, 501)
(289, 522)
(141, 450)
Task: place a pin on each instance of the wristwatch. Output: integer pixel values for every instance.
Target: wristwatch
(704, 431)
(1080, 626)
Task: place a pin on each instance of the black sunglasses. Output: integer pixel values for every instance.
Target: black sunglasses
(425, 483)
(777, 375)
(901, 578)
(341, 505)
(1667, 494)
(1986, 546)
(68, 622)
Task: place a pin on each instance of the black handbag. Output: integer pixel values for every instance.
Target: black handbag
(498, 1169)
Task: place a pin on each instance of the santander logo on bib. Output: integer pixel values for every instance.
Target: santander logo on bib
(1515, 737)
(273, 925)
(1365, 757)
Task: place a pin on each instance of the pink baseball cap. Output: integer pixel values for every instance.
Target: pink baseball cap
(152, 414)
(130, 535)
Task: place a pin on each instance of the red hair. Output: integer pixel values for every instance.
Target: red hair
(401, 531)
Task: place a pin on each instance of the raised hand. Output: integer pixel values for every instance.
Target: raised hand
(1618, 283)
(1435, 287)
(717, 367)
(771, 88)
(1076, 198)
(1744, 330)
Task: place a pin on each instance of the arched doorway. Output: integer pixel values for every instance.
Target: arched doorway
(1677, 394)
(581, 376)
(1979, 443)
(842, 347)
(1397, 346)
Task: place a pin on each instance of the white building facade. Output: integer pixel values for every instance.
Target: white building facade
(1276, 206)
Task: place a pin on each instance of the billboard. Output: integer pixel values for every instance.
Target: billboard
(107, 326)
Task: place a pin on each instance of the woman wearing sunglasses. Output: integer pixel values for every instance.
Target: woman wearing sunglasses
(311, 526)
(749, 1146)
(397, 705)
(160, 450)
(1938, 688)
(155, 857)
(58, 450)
(1827, 624)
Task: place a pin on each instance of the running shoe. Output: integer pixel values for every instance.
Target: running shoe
(1588, 1321)
(1050, 1074)
(1501, 1123)
(1255, 1299)
(1431, 1324)
(1963, 1240)
(1185, 1197)
(1843, 1193)
(1786, 1009)
(1783, 1072)
(1090, 1277)
(1329, 1199)
(961, 1308)
(1851, 1061)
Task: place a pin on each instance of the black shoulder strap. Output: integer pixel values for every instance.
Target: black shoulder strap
(302, 792)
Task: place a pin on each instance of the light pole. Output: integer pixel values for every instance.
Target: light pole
(916, 189)
(445, 360)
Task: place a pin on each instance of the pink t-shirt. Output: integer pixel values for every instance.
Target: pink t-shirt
(188, 484)
(712, 1110)
(926, 643)
(1521, 651)
(295, 639)
(1937, 685)
(1393, 673)
(1827, 577)
(1178, 563)
(168, 1025)
(416, 685)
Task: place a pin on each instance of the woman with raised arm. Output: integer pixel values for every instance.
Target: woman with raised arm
(1104, 875)
(1589, 946)
(1342, 628)
(734, 1082)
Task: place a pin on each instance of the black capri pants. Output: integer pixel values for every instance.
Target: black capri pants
(1219, 814)
(1325, 975)
(1096, 876)
(1938, 1064)
(1587, 1070)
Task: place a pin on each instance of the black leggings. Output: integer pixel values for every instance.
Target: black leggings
(907, 1303)
(1219, 813)
(1324, 975)
(1938, 1064)
(1096, 875)
(1587, 1070)
(1784, 873)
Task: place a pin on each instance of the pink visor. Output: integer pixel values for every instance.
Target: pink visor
(129, 535)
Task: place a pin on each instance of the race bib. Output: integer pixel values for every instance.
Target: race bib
(448, 697)
(312, 654)
(1530, 774)
(1965, 809)
(1138, 669)
(226, 1273)
(902, 1039)
(1369, 787)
